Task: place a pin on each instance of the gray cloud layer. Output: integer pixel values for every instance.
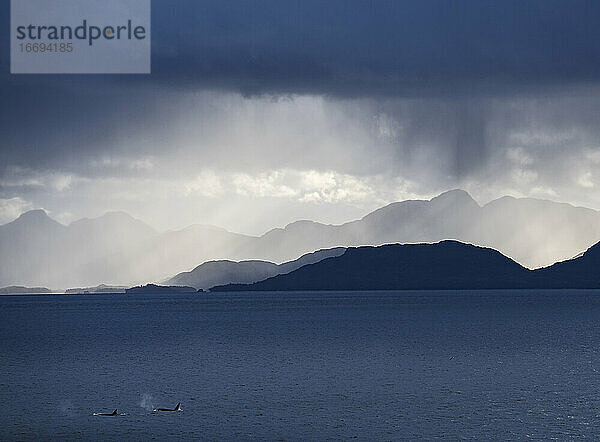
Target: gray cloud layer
(313, 109)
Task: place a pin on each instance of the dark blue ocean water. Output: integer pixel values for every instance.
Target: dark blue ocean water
(302, 366)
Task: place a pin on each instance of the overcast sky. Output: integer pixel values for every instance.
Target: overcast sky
(260, 113)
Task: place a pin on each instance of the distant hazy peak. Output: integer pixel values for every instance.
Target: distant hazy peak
(107, 215)
(539, 201)
(504, 198)
(302, 223)
(208, 227)
(34, 218)
(111, 217)
(294, 226)
(118, 214)
(456, 196)
(34, 214)
(391, 207)
(447, 200)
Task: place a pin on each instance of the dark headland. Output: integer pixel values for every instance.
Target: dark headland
(21, 290)
(102, 288)
(450, 265)
(153, 288)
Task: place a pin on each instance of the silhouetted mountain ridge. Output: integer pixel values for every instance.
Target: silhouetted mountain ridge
(444, 265)
(212, 273)
(447, 265)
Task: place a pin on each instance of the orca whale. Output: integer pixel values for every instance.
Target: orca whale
(177, 408)
(114, 413)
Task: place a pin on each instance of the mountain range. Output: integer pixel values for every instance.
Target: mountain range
(213, 273)
(440, 266)
(102, 288)
(117, 249)
(20, 290)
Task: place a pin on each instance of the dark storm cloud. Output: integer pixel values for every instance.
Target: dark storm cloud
(336, 48)
(380, 47)
(347, 47)
(442, 93)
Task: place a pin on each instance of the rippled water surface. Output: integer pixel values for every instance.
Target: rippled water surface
(302, 366)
